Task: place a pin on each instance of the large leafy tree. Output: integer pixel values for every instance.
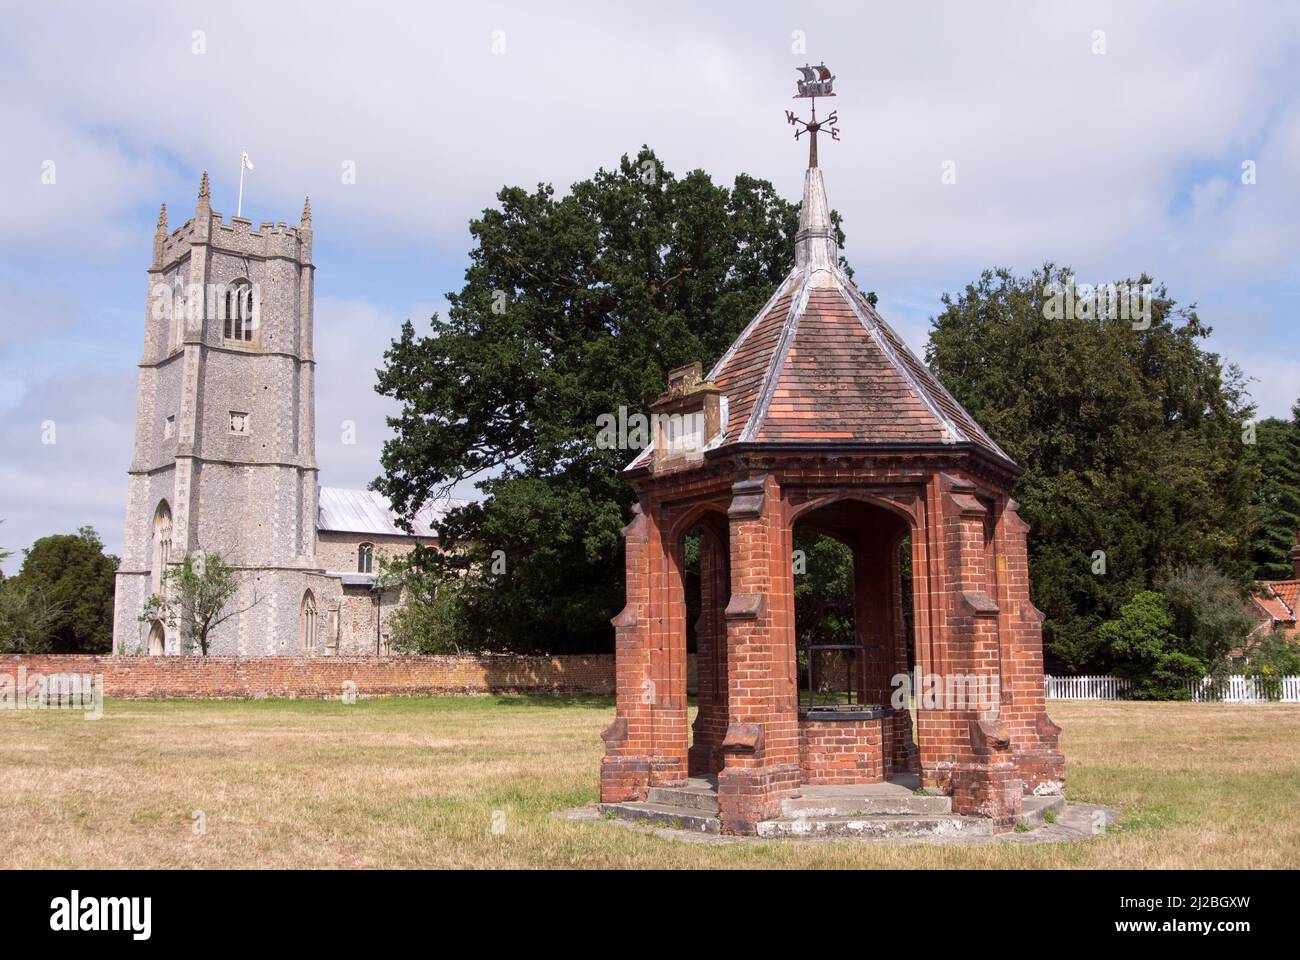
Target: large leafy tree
(1277, 496)
(73, 577)
(1131, 441)
(572, 307)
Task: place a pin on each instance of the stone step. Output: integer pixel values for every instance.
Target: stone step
(703, 799)
(850, 805)
(1033, 810)
(876, 825)
(663, 815)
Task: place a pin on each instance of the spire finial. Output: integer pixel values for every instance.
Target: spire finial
(815, 246)
(204, 192)
(162, 219)
(306, 212)
(817, 82)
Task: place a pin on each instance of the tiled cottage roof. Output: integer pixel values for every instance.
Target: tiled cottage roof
(818, 364)
(1279, 600)
(1289, 591)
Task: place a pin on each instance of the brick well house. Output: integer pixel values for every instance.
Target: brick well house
(819, 416)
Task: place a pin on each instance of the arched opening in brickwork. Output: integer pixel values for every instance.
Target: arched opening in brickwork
(853, 641)
(828, 645)
(157, 639)
(162, 544)
(365, 558)
(703, 559)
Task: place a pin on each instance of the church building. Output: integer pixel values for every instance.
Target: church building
(225, 453)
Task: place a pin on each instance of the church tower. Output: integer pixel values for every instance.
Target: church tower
(225, 454)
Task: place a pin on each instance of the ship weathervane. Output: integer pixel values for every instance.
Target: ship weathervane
(816, 82)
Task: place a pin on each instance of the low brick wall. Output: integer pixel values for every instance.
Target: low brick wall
(841, 751)
(199, 678)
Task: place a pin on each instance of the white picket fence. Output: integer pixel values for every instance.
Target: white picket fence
(1241, 689)
(1236, 689)
(1083, 688)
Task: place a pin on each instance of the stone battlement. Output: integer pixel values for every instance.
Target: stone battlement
(270, 238)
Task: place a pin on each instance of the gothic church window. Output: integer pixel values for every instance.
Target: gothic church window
(162, 543)
(307, 626)
(365, 558)
(178, 315)
(157, 639)
(238, 324)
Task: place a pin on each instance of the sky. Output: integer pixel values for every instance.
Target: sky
(1114, 138)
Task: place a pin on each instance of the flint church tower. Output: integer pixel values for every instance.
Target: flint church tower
(225, 453)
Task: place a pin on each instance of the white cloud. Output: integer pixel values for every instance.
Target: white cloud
(1054, 146)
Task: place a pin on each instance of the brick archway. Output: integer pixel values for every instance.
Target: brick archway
(863, 732)
(675, 752)
(704, 754)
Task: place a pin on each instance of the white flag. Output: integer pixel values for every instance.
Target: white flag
(247, 163)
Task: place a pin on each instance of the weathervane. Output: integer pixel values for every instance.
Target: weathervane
(817, 82)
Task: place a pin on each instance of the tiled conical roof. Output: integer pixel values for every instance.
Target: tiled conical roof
(818, 364)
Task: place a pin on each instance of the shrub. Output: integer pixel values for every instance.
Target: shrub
(1210, 612)
(1148, 652)
(430, 619)
(1271, 658)
(27, 617)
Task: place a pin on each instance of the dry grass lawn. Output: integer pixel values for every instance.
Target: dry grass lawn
(415, 783)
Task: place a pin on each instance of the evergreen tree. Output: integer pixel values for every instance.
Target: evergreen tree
(75, 578)
(1276, 500)
(1131, 441)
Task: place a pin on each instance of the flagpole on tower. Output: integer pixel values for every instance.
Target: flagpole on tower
(244, 164)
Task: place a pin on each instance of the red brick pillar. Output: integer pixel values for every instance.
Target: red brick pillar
(1034, 737)
(964, 741)
(629, 740)
(761, 748)
(666, 686)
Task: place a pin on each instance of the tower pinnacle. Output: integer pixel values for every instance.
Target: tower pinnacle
(306, 212)
(162, 219)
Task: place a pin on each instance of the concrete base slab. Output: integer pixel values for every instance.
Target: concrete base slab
(1047, 820)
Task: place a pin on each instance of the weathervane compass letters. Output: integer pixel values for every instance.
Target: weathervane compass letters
(817, 82)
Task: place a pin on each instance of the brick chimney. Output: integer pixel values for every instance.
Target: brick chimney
(1294, 555)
